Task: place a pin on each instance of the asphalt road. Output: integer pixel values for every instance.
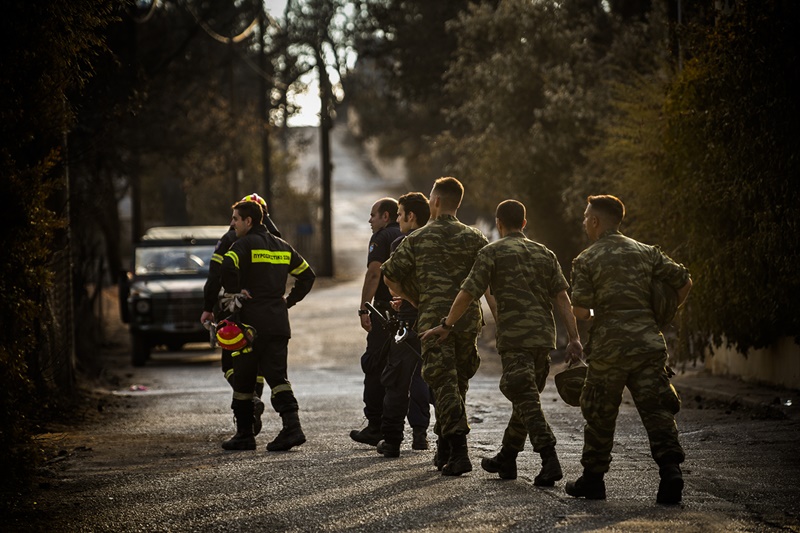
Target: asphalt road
(149, 457)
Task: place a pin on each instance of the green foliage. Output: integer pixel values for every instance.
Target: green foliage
(404, 48)
(732, 138)
(522, 109)
(709, 163)
(530, 83)
(49, 48)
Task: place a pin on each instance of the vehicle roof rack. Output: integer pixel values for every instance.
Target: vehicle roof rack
(184, 233)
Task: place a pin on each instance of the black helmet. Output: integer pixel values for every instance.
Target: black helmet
(664, 301)
(569, 383)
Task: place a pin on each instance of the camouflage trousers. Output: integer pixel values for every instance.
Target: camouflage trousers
(646, 377)
(447, 369)
(524, 377)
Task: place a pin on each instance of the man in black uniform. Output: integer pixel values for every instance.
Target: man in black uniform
(211, 307)
(385, 230)
(258, 265)
(406, 391)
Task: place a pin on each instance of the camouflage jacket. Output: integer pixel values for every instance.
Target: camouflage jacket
(437, 258)
(524, 276)
(614, 276)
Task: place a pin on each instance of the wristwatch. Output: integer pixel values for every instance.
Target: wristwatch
(362, 312)
(444, 325)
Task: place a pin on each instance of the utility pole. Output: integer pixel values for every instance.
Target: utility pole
(263, 108)
(233, 153)
(325, 163)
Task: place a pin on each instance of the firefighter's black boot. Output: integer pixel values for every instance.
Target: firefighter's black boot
(371, 434)
(290, 436)
(590, 486)
(244, 438)
(459, 462)
(504, 463)
(670, 488)
(551, 468)
(258, 410)
(442, 453)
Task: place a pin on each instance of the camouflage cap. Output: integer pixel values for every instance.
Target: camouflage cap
(569, 384)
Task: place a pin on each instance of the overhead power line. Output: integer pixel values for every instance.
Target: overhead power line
(216, 36)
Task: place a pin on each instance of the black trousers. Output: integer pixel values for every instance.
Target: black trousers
(406, 394)
(268, 355)
(372, 363)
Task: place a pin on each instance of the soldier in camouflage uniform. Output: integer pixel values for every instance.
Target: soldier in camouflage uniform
(613, 277)
(525, 280)
(427, 269)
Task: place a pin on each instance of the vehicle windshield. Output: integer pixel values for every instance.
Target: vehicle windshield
(173, 260)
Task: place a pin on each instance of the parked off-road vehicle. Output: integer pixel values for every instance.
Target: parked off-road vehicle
(161, 297)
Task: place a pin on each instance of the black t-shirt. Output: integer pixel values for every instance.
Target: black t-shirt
(380, 248)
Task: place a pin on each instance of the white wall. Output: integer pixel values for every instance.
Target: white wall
(777, 365)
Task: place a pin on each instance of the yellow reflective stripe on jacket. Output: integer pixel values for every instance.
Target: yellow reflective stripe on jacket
(216, 258)
(299, 269)
(235, 258)
(268, 256)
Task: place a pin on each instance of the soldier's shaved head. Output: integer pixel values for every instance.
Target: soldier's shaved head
(511, 214)
(450, 191)
(608, 207)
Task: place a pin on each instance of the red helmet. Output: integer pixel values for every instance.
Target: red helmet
(231, 337)
(255, 198)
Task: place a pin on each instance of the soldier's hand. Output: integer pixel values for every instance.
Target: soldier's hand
(438, 331)
(574, 352)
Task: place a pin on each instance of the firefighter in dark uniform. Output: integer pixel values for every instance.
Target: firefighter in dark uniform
(211, 308)
(385, 229)
(258, 265)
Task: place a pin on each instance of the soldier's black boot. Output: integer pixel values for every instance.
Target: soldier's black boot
(290, 436)
(371, 434)
(420, 439)
(551, 468)
(504, 463)
(459, 462)
(389, 449)
(590, 486)
(258, 410)
(244, 438)
(442, 453)
(670, 488)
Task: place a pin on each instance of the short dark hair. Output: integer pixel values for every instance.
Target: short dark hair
(388, 205)
(450, 190)
(511, 213)
(417, 203)
(250, 209)
(608, 205)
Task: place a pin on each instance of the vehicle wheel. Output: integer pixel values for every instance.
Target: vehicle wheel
(175, 346)
(140, 352)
